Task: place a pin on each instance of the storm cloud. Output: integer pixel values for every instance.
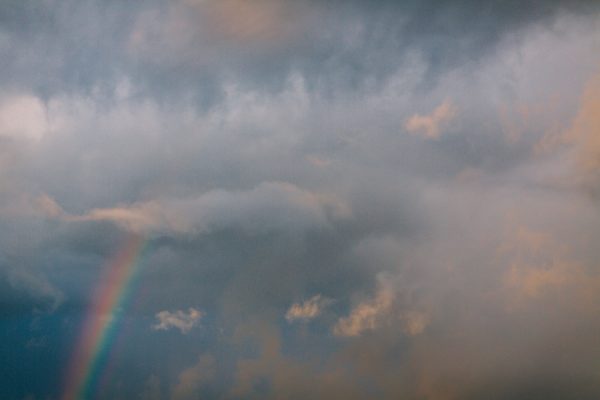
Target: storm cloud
(336, 199)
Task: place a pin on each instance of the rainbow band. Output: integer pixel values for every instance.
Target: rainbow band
(102, 319)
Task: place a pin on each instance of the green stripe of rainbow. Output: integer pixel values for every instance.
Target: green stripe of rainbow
(101, 320)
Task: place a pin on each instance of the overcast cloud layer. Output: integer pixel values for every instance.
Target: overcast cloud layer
(339, 199)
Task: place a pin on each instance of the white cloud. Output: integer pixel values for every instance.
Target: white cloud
(184, 321)
(23, 116)
(430, 126)
(308, 309)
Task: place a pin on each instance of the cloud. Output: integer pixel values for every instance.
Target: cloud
(584, 133)
(47, 296)
(23, 117)
(382, 312)
(285, 376)
(367, 315)
(308, 309)
(264, 19)
(269, 206)
(540, 267)
(430, 126)
(184, 321)
(257, 151)
(191, 380)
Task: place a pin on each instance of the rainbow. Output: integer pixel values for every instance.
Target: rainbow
(101, 322)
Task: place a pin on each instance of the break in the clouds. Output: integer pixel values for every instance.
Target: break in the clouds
(368, 199)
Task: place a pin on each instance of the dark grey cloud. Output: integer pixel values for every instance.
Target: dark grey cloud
(265, 152)
(187, 48)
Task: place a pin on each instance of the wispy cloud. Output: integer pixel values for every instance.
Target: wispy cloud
(431, 125)
(193, 378)
(184, 321)
(269, 206)
(308, 309)
(367, 315)
(47, 295)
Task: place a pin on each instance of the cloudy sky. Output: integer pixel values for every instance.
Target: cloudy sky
(272, 199)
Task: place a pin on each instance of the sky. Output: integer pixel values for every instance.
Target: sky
(276, 199)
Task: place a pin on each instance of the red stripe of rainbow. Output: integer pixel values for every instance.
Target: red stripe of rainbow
(100, 322)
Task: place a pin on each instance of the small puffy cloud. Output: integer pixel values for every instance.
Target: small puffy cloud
(308, 309)
(376, 312)
(184, 321)
(367, 315)
(430, 126)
